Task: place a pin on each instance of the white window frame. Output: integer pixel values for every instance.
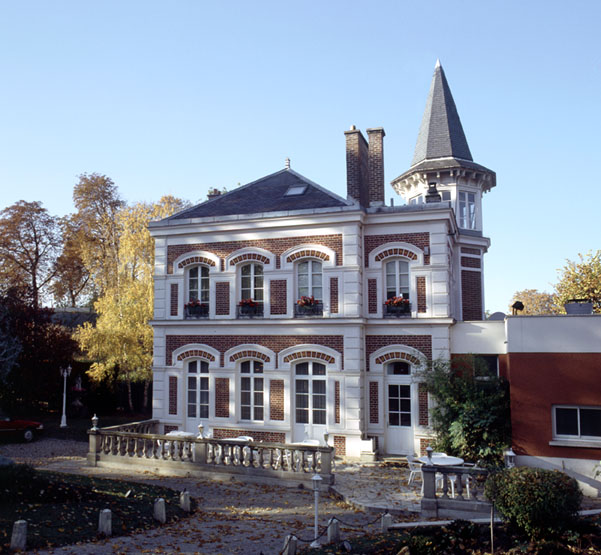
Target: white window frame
(201, 373)
(466, 210)
(202, 280)
(255, 372)
(578, 408)
(311, 377)
(398, 288)
(253, 289)
(311, 263)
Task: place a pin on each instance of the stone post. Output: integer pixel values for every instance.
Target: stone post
(159, 510)
(290, 546)
(429, 507)
(386, 522)
(333, 531)
(18, 539)
(326, 461)
(199, 453)
(184, 501)
(93, 451)
(105, 525)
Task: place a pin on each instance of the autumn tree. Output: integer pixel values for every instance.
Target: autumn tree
(97, 239)
(535, 302)
(581, 280)
(29, 246)
(122, 338)
(72, 285)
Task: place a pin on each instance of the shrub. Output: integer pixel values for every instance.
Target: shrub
(537, 502)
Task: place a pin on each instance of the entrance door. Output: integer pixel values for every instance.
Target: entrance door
(197, 394)
(310, 396)
(399, 409)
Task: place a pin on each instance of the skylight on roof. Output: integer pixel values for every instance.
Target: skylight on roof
(295, 190)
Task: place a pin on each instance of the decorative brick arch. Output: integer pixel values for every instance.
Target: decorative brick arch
(395, 252)
(249, 256)
(196, 353)
(398, 356)
(196, 260)
(310, 354)
(307, 253)
(249, 354)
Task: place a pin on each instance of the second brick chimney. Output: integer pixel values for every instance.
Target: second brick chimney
(365, 166)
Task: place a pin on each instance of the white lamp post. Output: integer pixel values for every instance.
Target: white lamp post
(65, 373)
(316, 481)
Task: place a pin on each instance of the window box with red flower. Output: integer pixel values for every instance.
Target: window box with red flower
(308, 306)
(196, 309)
(397, 307)
(249, 308)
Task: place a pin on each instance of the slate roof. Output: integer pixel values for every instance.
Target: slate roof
(441, 133)
(266, 195)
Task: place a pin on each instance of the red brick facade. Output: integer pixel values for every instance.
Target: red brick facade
(172, 395)
(469, 250)
(276, 245)
(222, 397)
(174, 300)
(222, 298)
(471, 295)
(334, 295)
(340, 445)
(274, 342)
(420, 240)
(373, 403)
(276, 399)
(372, 296)
(422, 396)
(169, 428)
(269, 437)
(422, 343)
(468, 262)
(337, 402)
(277, 296)
(420, 285)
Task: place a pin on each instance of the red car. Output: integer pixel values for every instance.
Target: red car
(18, 429)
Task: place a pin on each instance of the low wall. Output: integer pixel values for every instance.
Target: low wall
(209, 458)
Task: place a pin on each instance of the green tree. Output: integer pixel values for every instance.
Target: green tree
(122, 337)
(535, 302)
(581, 280)
(29, 245)
(471, 416)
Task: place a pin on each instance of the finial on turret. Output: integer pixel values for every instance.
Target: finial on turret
(287, 163)
(437, 63)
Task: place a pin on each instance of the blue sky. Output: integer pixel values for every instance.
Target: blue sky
(176, 97)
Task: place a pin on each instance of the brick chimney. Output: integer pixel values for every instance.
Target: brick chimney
(356, 166)
(376, 166)
(212, 193)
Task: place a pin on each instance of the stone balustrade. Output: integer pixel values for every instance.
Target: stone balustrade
(467, 483)
(137, 445)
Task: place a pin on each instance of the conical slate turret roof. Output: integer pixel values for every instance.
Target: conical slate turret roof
(441, 134)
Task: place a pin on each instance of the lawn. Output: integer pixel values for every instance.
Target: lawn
(62, 509)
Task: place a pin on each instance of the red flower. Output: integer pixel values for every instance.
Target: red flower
(396, 301)
(307, 301)
(248, 302)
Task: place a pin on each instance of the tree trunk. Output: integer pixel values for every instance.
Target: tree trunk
(129, 397)
(146, 390)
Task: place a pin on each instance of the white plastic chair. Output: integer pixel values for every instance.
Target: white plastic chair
(415, 469)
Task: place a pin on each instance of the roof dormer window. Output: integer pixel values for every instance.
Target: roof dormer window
(467, 210)
(295, 190)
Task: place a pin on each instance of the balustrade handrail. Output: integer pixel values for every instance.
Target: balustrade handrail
(121, 427)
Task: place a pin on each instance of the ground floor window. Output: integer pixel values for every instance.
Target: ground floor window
(251, 390)
(310, 390)
(577, 422)
(198, 389)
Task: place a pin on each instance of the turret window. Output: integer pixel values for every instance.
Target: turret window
(467, 210)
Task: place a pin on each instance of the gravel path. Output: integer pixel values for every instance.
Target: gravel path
(232, 517)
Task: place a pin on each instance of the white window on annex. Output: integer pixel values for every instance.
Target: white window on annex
(251, 390)
(198, 389)
(309, 279)
(574, 422)
(467, 210)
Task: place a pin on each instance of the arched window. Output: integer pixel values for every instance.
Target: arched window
(251, 390)
(398, 368)
(310, 393)
(251, 282)
(198, 389)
